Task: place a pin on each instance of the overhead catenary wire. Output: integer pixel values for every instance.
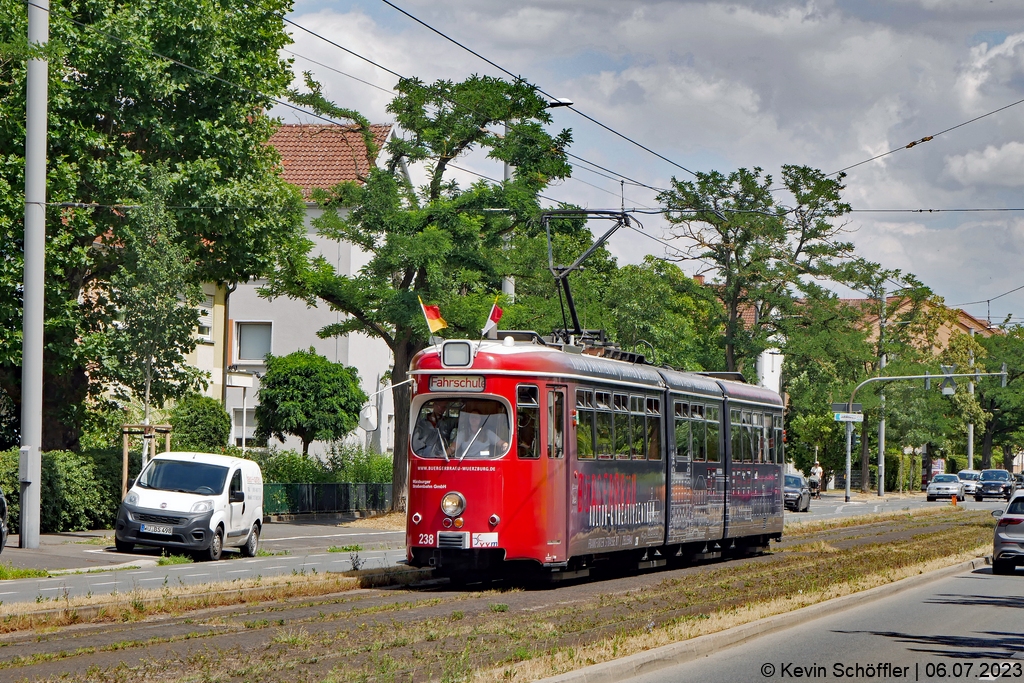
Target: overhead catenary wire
(926, 138)
(537, 88)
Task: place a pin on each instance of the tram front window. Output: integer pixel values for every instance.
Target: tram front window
(460, 429)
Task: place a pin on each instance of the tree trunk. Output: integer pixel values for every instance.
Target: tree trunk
(404, 350)
(865, 459)
(1007, 457)
(305, 444)
(986, 445)
(63, 394)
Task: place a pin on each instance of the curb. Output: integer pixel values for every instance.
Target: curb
(137, 564)
(688, 650)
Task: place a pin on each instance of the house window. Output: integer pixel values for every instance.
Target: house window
(204, 331)
(253, 341)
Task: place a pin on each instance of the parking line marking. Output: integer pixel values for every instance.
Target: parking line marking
(239, 571)
(108, 583)
(155, 578)
(187, 575)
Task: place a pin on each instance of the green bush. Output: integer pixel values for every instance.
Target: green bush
(344, 464)
(200, 424)
(73, 499)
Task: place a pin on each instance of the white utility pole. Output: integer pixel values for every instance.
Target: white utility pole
(881, 404)
(30, 463)
(970, 427)
(508, 284)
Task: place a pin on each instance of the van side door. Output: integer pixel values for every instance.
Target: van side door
(236, 510)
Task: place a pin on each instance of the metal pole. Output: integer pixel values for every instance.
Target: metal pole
(970, 427)
(34, 279)
(849, 448)
(881, 404)
(243, 420)
(508, 284)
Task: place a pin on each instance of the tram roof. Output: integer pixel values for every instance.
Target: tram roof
(553, 361)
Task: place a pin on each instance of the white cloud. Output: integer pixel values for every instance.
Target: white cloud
(1003, 166)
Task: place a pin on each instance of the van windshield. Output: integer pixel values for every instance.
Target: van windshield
(184, 477)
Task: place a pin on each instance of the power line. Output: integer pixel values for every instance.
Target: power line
(927, 138)
(390, 91)
(933, 210)
(404, 78)
(537, 88)
(985, 301)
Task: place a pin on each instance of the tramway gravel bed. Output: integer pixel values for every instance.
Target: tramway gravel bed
(430, 632)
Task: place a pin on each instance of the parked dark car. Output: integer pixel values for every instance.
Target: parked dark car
(3, 521)
(994, 484)
(796, 494)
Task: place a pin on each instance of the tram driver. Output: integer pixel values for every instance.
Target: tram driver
(479, 433)
(432, 436)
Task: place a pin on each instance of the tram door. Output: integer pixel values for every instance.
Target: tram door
(556, 478)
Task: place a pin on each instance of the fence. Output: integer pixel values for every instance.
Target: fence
(279, 499)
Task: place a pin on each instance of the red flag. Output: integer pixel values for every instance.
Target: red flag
(493, 318)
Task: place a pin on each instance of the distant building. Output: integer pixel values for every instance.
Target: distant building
(313, 156)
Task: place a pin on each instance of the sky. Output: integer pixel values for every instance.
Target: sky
(724, 85)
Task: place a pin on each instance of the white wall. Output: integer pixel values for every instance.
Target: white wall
(295, 326)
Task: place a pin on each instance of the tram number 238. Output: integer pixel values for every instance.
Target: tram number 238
(426, 539)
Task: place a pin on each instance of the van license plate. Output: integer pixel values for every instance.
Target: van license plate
(157, 529)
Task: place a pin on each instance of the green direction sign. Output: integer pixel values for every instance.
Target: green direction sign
(849, 417)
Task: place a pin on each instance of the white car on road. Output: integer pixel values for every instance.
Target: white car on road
(970, 479)
(945, 486)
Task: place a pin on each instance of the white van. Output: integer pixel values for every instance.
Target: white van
(196, 502)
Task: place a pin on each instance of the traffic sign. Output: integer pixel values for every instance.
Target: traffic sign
(849, 417)
(844, 408)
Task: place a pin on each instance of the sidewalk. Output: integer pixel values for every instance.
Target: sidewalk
(73, 550)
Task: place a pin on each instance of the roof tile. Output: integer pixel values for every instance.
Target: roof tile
(319, 156)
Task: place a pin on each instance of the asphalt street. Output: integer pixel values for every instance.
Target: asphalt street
(961, 627)
(293, 548)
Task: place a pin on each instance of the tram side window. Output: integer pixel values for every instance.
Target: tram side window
(745, 434)
(711, 422)
(556, 424)
(780, 454)
(700, 450)
(735, 436)
(622, 432)
(682, 414)
(585, 424)
(653, 429)
(757, 437)
(636, 424)
(603, 422)
(527, 422)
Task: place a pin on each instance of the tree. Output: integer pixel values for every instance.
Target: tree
(760, 252)
(153, 295)
(1003, 406)
(308, 396)
(117, 110)
(199, 423)
(442, 242)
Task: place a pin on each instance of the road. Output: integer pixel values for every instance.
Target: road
(962, 627)
(832, 505)
(297, 548)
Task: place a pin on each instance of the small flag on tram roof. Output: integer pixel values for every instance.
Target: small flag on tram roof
(493, 318)
(433, 316)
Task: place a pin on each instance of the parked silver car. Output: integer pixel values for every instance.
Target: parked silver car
(970, 479)
(945, 486)
(1008, 541)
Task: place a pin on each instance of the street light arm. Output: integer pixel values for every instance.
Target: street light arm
(908, 377)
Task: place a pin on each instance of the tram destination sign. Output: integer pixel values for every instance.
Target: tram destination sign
(467, 383)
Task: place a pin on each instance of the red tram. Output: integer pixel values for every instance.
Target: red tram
(527, 454)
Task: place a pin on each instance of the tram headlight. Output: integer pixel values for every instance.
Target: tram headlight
(453, 504)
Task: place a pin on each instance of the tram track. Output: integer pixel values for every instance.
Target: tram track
(510, 632)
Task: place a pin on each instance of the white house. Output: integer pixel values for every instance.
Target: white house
(313, 156)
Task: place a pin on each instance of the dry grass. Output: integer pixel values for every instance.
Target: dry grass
(806, 528)
(138, 604)
(392, 521)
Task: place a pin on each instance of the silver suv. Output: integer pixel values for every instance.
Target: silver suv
(1008, 541)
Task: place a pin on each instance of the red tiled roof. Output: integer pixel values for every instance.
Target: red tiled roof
(323, 155)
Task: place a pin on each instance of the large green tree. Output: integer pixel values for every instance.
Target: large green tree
(759, 251)
(117, 109)
(444, 242)
(1003, 406)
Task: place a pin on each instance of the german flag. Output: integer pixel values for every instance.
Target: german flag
(432, 314)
